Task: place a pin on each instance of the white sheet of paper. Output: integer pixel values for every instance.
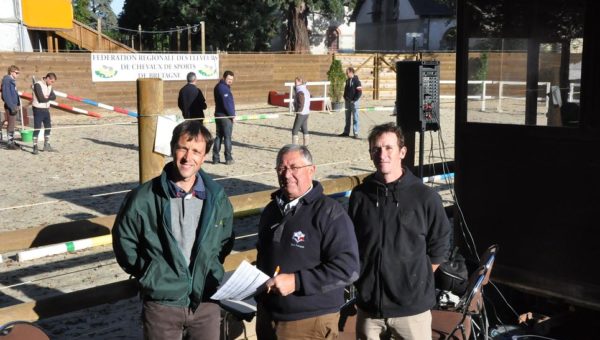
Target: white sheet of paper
(164, 132)
(245, 281)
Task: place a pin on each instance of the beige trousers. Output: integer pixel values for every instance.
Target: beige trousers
(315, 328)
(414, 327)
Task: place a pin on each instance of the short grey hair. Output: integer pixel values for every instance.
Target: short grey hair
(191, 77)
(293, 148)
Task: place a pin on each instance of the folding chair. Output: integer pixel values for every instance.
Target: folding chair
(458, 324)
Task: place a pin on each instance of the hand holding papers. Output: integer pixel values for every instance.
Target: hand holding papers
(244, 282)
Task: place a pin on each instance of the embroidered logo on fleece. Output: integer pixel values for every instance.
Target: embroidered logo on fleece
(298, 238)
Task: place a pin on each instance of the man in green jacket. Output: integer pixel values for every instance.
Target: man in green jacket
(172, 234)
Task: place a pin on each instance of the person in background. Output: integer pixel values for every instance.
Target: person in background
(12, 104)
(191, 100)
(225, 117)
(42, 95)
(352, 93)
(403, 236)
(306, 238)
(302, 108)
(172, 234)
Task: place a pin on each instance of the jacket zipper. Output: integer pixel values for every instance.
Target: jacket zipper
(173, 242)
(381, 245)
(205, 272)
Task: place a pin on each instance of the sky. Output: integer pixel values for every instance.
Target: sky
(117, 6)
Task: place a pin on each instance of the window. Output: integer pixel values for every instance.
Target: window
(525, 62)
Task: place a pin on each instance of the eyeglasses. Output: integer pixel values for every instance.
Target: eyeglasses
(16, 72)
(293, 169)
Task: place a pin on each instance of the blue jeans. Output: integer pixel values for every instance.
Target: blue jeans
(352, 115)
(224, 130)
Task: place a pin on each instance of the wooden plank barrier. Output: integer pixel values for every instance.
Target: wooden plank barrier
(85, 298)
(243, 205)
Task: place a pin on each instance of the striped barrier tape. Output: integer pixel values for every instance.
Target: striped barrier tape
(247, 117)
(69, 108)
(60, 248)
(95, 103)
(72, 246)
(377, 108)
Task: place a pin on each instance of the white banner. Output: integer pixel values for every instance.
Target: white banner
(131, 66)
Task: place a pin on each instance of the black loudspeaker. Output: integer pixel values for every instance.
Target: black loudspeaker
(418, 95)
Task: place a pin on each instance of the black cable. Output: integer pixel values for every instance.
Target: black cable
(515, 337)
(470, 240)
(504, 299)
(500, 322)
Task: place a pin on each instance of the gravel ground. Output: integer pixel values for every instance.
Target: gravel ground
(97, 163)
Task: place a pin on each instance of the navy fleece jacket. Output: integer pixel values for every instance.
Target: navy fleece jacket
(316, 242)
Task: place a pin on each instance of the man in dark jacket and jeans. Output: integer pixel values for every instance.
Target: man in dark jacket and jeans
(403, 235)
(306, 239)
(224, 117)
(352, 93)
(191, 101)
(12, 104)
(172, 234)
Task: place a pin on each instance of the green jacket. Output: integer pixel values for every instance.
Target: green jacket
(146, 248)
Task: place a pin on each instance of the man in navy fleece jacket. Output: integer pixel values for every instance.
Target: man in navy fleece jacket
(310, 239)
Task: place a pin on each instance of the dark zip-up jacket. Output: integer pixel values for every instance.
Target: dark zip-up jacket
(352, 89)
(316, 242)
(191, 101)
(401, 228)
(224, 105)
(145, 247)
(10, 96)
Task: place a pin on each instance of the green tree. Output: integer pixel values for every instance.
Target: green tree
(87, 12)
(250, 27)
(337, 80)
(102, 10)
(296, 37)
(235, 25)
(82, 12)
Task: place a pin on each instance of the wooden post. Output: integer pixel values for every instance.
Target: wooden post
(99, 29)
(150, 105)
(189, 36)
(140, 34)
(376, 76)
(49, 41)
(203, 37)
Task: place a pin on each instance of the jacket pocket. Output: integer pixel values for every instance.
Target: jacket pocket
(161, 283)
(150, 269)
(405, 281)
(409, 241)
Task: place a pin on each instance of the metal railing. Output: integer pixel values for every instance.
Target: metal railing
(501, 84)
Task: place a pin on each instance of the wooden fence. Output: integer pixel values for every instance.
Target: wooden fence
(257, 74)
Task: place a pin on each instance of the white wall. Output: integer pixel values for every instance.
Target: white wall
(347, 37)
(13, 32)
(319, 25)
